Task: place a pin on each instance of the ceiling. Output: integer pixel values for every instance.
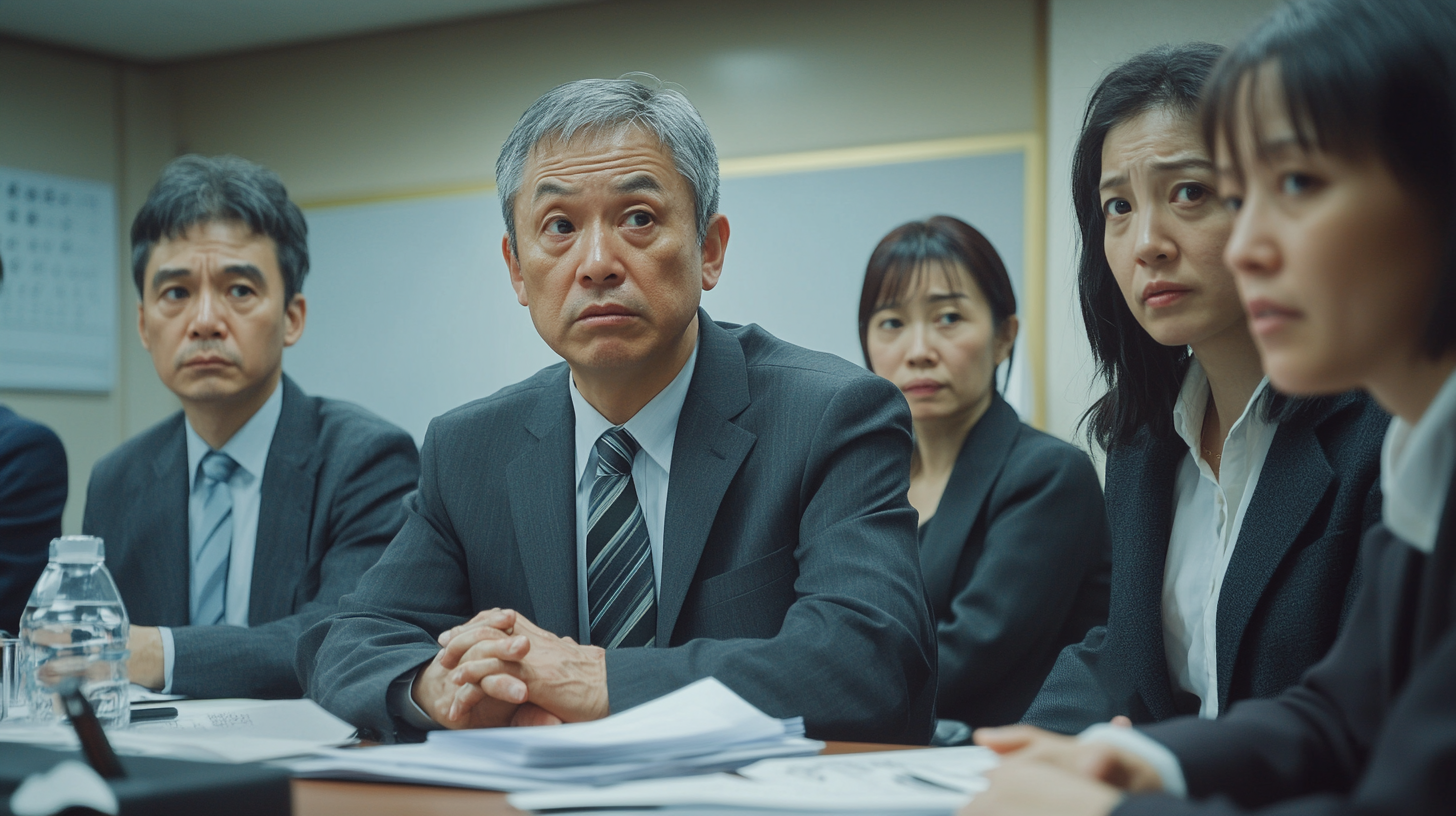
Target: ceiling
(154, 31)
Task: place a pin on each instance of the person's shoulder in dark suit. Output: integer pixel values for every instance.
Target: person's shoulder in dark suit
(335, 480)
(32, 498)
(1017, 563)
(134, 458)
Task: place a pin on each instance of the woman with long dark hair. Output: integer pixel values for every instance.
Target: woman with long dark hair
(1013, 535)
(1335, 132)
(1236, 512)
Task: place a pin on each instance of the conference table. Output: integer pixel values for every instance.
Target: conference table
(320, 797)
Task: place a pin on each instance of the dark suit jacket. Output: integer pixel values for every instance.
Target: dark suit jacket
(1016, 564)
(332, 499)
(1288, 588)
(789, 566)
(32, 496)
(1370, 730)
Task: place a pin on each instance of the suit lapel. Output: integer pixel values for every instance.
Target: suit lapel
(162, 553)
(285, 509)
(1147, 523)
(541, 487)
(706, 455)
(978, 465)
(1295, 477)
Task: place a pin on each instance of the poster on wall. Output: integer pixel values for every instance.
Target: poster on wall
(58, 296)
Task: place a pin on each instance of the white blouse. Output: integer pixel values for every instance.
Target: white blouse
(1208, 513)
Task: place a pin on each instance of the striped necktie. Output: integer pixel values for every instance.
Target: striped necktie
(210, 557)
(620, 590)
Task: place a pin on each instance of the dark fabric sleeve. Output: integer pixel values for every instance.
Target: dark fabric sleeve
(1331, 745)
(32, 497)
(1076, 693)
(855, 655)
(376, 470)
(383, 630)
(1045, 533)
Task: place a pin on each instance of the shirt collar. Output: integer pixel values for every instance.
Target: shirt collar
(249, 446)
(1415, 470)
(654, 426)
(1192, 404)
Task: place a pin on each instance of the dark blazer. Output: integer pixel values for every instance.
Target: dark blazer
(789, 567)
(1288, 588)
(332, 499)
(32, 496)
(1016, 564)
(1371, 729)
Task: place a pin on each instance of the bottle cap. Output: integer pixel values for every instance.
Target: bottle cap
(80, 549)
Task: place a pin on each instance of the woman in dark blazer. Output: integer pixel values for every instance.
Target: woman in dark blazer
(1013, 534)
(1234, 541)
(1345, 252)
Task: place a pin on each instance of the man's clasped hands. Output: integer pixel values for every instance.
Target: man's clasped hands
(498, 669)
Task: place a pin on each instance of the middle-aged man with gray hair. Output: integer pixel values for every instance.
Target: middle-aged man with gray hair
(680, 499)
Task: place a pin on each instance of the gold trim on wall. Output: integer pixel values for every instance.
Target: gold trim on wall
(1031, 145)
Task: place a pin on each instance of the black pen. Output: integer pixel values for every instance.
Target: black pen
(88, 729)
(150, 713)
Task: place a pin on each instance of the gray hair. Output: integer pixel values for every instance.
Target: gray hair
(605, 105)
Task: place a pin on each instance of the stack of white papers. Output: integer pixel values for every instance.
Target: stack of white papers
(210, 730)
(701, 728)
(933, 782)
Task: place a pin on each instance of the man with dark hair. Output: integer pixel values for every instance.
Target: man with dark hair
(679, 499)
(32, 497)
(237, 523)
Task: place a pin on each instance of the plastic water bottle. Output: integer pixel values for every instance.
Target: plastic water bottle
(76, 626)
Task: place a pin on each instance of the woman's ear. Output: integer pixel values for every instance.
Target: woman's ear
(1006, 338)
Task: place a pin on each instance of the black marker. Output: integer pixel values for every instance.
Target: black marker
(93, 739)
(153, 713)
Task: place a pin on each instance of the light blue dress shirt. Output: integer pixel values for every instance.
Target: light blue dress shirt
(655, 429)
(249, 448)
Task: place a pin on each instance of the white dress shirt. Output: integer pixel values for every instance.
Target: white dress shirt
(1208, 513)
(249, 448)
(655, 429)
(1416, 464)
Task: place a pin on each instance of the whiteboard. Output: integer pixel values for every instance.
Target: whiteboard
(58, 299)
(411, 311)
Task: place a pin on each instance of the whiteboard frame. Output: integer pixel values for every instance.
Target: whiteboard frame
(1030, 144)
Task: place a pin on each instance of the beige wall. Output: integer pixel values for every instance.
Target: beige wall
(431, 107)
(68, 114)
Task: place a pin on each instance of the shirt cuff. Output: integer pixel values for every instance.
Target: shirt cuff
(1145, 748)
(404, 705)
(169, 658)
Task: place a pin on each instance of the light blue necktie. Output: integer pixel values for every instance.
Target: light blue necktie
(210, 559)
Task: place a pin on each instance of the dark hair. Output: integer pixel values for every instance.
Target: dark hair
(905, 252)
(205, 189)
(1361, 77)
(1143, 376)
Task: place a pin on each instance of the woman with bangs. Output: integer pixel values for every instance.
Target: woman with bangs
(1236, 511)
(1013, 535)
(1335, 132)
